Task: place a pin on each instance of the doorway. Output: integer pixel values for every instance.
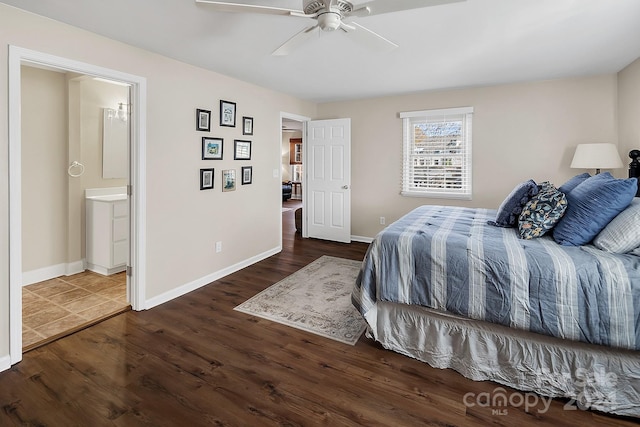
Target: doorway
(292, 171)
(135, 276)
(78, 146)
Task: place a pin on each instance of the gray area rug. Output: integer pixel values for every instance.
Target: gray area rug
(316, 299)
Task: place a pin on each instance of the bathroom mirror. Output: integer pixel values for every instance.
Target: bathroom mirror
(114, 144)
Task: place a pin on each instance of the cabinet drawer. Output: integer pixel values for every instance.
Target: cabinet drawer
(120, 209)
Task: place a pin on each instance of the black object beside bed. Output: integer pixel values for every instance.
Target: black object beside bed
(634, 167)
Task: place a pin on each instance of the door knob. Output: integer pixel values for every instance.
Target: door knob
(345, 187)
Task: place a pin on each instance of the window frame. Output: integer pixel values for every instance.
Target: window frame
(409, 119)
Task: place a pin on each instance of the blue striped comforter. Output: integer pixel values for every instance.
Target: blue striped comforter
(449, 258)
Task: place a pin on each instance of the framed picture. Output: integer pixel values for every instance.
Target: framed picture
(242, 150)
(227, 113)
(247, 175)
(212, 148)
(203, 120)
(228, 180)
(247, 125)
(206, 179)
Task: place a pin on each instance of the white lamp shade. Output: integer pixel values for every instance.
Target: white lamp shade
(596, 156)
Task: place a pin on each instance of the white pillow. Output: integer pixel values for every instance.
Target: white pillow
(622, 234)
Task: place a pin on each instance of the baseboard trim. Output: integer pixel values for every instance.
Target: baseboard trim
(198, 283)
(361, 239)
(51, 272)
(75, 267)
(105, 271)
(5, 362)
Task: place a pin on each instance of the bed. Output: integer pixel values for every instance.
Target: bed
(444, 286)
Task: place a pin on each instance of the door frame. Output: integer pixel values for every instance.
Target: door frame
(304, 120)
(137, 152)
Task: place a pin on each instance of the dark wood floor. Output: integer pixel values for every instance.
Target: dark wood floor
(196, 361)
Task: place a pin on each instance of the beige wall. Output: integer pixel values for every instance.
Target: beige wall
(44, 168)
(520, 131)
(629, 109)
(182, 222)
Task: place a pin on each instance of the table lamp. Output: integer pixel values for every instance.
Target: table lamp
(596, 156)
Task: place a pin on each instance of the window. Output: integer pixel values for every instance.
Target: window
(437, 153)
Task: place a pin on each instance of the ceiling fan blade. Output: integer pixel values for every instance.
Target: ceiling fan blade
(378, 7)
(224, 6)
(297, 40)
(368, 38)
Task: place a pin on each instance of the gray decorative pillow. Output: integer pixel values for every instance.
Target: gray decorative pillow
(511, 207)
(622, 234)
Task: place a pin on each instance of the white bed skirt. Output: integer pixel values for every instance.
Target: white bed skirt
(590, 376)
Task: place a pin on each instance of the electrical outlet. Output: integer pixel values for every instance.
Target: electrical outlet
(382, 220)
(218, 247)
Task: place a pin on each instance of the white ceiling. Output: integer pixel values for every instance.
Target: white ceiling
(472, 43)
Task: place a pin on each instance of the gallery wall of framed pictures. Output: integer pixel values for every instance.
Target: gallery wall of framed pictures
(212, 147)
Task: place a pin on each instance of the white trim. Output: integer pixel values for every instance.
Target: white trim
(440, 112)
(51, 272)
(105, 271)
(15, 209)
(5, 362)
(203, 281)
(433, 195)
(17, 57)
(361, 239)
(138, 245)
(73, 268)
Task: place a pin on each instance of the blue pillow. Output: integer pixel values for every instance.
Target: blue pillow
(574, 182)
(591, 206)
(511, 207)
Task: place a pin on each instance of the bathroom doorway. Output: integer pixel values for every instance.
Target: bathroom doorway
(18, 158)
(79, 145)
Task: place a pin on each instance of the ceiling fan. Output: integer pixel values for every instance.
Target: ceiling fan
(331, 15)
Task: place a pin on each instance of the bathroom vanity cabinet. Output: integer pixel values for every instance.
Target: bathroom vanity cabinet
(107, 233)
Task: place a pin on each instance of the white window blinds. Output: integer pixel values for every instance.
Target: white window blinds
(437, 153)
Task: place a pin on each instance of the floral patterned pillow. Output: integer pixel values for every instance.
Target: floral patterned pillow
(542, 212)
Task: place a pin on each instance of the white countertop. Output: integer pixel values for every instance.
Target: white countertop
(108, 198)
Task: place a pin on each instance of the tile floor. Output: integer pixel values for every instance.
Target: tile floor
(63, 305)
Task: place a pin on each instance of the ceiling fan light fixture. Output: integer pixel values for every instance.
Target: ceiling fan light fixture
(329, 21)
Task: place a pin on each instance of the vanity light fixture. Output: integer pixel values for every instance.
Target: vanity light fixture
(122, 112)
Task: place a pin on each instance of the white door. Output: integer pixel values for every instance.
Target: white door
(328, 197)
